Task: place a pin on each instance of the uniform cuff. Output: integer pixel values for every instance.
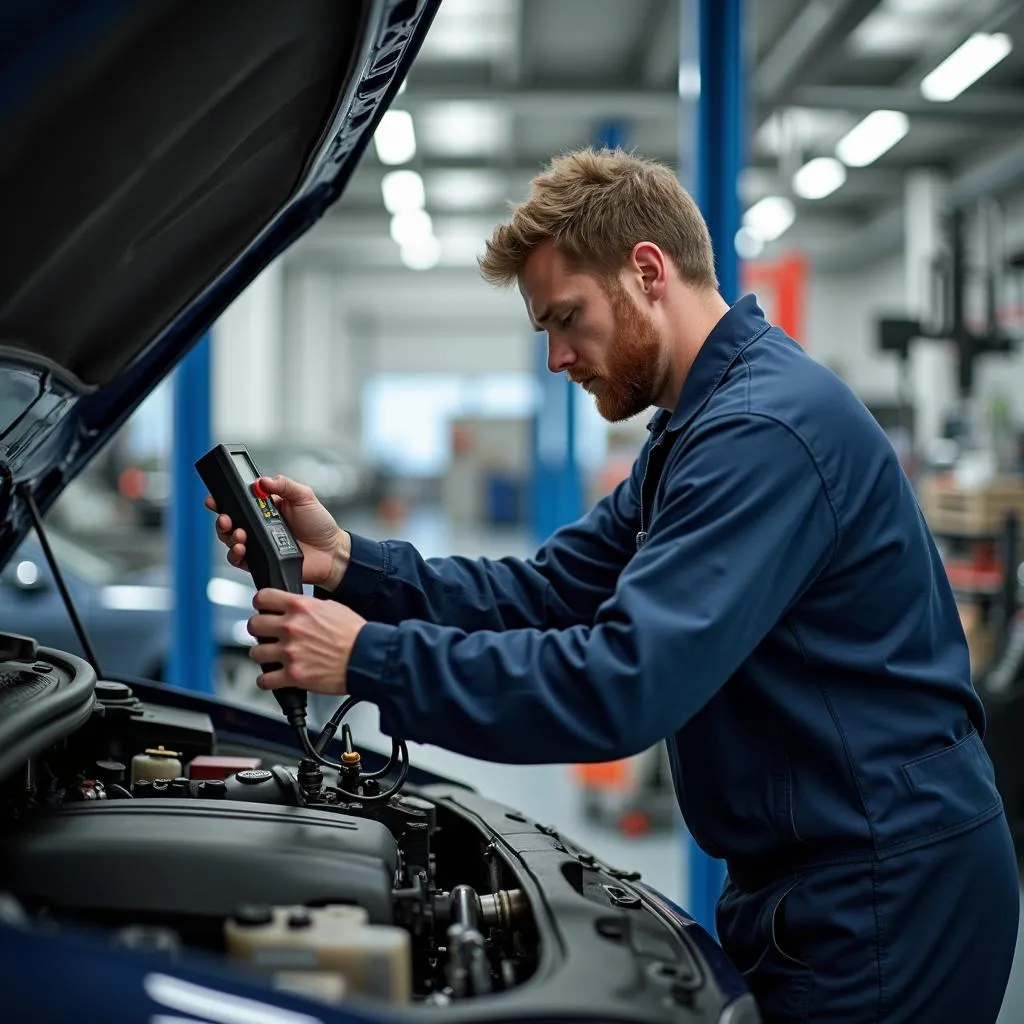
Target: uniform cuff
(364, 576)
(369, 660)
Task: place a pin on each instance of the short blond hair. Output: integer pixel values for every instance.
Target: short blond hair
(595, 205)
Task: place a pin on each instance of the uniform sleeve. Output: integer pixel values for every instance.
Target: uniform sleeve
(744, 528)
(564, 584)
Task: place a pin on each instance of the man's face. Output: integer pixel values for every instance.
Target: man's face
(597, 334)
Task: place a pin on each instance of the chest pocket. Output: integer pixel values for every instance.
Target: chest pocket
(657, 455)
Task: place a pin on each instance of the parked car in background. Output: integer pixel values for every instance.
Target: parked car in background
(335, 469)
(126, 612)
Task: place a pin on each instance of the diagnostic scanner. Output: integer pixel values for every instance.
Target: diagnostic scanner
(272, 554)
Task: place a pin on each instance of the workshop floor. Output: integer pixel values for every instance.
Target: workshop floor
(548, 793)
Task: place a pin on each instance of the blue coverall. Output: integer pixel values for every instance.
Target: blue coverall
(763, 593)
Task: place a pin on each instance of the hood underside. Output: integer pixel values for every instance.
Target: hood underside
(155, 158)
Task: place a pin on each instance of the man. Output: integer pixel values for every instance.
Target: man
(762, 592)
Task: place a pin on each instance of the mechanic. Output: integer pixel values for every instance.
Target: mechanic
(762, 592)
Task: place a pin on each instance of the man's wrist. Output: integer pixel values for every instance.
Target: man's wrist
(340, 561)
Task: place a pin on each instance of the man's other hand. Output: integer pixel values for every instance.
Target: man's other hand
(310, 638)
(325, 546)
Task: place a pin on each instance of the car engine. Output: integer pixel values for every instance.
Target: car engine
(152, 821)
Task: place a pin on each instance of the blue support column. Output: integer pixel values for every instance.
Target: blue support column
(716, 162)
(191, 526)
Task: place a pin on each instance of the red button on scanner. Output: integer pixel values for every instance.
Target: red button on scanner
(258, 490)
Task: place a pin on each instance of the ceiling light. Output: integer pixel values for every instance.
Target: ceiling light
(819, 178)
(770, 218)
(462, 239)
(411, 226)
(463, 189)
(395, 138)
(422, 254)
(749, 245)
(965, 65)
(876, 134)
(471, 30)
(402, 190)
(465, 128)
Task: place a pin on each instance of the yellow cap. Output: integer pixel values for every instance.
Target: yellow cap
(160, 752)
(350, 757)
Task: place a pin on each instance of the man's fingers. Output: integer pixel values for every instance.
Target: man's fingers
(272, 680)
(264, 654)
(210, 503)
(271, 600)
(261, 626)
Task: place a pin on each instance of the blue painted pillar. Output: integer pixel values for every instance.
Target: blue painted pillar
(191, 525)
(556, 491)
(716, 158)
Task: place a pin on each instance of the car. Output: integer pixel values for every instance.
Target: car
(341, 478)
(166, 855)
(125, 611)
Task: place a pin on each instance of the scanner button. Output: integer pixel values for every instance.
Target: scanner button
(257, 489)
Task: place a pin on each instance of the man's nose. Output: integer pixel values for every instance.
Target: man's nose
(560, 355)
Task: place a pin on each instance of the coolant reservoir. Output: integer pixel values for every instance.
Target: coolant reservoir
(374, 960)
(156, 763)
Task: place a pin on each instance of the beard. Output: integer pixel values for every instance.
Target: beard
(628, 384)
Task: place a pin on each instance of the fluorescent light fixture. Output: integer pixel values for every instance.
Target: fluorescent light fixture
(471, 30)
(395, 138)
(421, 254)
(819, 177)
(136, 598)
(965, 65)
(411, 226)
(748, 244)
(465, 189)
(462, 128)
(230, 593)
(876, 134)
(770, 217)
(402, 190)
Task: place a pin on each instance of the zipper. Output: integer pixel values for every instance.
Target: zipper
(641, 536)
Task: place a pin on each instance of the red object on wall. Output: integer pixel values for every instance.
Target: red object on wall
(781, 285)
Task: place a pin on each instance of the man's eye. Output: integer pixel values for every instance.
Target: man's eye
(568, 318)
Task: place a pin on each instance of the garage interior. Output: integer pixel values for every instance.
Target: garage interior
(881, 188)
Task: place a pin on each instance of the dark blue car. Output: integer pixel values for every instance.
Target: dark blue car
(167, 857)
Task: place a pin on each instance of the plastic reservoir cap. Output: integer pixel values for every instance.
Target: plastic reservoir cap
(160, 752)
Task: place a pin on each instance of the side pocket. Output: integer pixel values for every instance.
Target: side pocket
(780, 982)
(949, 787)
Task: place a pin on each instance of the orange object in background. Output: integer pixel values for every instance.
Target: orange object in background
(614, 775)
(780, 286)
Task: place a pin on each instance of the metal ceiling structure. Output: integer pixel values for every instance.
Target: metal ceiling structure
(502, 85)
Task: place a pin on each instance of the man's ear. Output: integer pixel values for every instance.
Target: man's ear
(652, 266)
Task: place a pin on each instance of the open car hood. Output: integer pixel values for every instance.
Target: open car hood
(155, 158)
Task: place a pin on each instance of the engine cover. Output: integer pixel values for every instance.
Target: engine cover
(181, 856)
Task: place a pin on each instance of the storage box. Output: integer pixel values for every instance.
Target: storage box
(954, 511)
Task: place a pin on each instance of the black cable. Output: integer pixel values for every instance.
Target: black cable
(69, 604)
(399, 753)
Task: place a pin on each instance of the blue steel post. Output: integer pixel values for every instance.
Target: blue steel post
(717, 162)
(191, 526)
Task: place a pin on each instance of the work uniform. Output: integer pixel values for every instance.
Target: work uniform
(763, 592)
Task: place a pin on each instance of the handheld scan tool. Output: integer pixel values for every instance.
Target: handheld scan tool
(272, 554)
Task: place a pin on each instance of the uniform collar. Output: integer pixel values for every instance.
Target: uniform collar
(742, 324)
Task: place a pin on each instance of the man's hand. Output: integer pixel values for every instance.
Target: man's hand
(325, 546)
(312, 640)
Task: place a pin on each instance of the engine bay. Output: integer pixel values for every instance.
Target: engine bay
(164, 829)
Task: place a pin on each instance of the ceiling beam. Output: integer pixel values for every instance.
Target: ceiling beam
(818, 28)
(993, 108)
(570, 99)
(651, 61)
